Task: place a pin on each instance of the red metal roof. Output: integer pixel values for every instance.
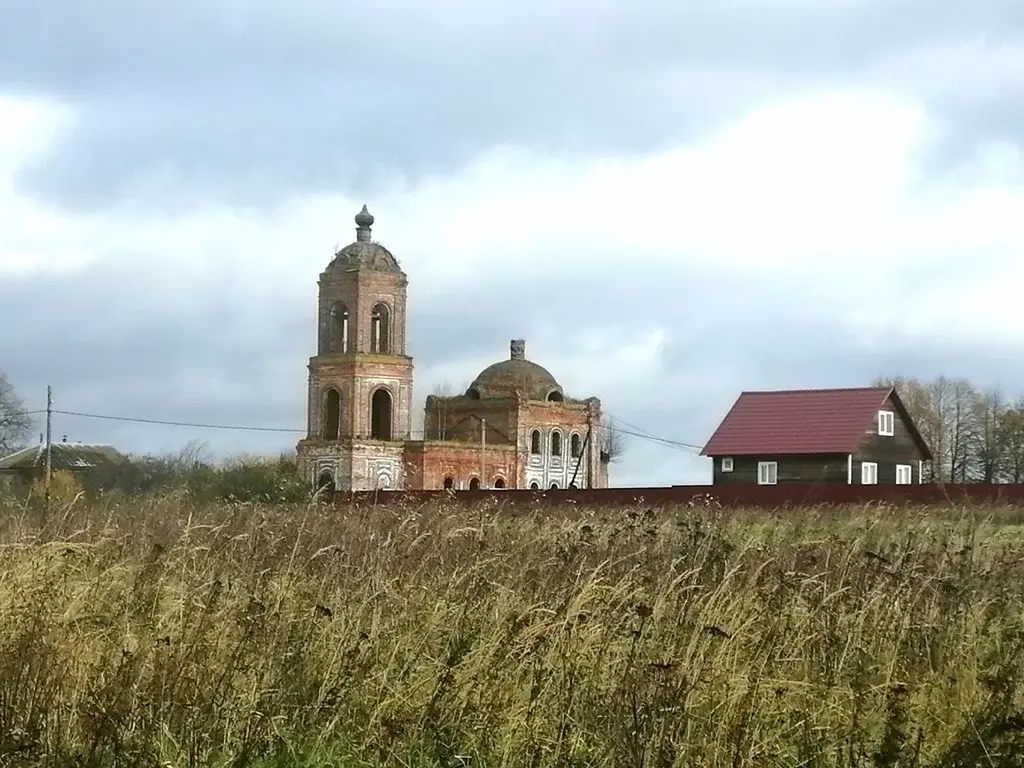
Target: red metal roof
(802, 421)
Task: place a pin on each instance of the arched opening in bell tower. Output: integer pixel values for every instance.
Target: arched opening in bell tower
(380, 415)
(380, 329)
(338, 339)
(331, 428)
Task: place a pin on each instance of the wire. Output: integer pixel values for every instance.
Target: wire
(179, 423)
(634, 432)
(641, 433)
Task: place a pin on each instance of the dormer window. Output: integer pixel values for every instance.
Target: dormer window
(886, 423)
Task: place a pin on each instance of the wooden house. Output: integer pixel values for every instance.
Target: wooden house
(857, 436)
(29, 464)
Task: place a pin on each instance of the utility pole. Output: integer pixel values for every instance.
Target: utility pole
(590, 456)
(483, 452)
(49, 442)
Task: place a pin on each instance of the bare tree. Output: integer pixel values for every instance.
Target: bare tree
(989, 447)
(441, 392)
(193, 455)
(1011, 434)
(612, 441)
(963, 435)
(15, 423)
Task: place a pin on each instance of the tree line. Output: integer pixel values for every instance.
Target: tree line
(976, 435)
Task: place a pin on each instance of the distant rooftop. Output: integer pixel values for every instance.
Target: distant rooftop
(62, 456)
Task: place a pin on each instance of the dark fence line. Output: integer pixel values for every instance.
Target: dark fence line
(763, 496)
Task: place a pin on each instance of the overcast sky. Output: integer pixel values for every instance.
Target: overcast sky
(672, 202)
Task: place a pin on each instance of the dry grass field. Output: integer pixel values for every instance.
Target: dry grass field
(172, 634)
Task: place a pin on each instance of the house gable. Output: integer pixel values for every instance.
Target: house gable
(904, 445)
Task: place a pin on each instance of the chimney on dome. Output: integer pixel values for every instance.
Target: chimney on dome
(517, 349)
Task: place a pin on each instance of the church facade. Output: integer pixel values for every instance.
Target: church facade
(514, 426)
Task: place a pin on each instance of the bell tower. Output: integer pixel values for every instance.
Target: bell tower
(360, 380)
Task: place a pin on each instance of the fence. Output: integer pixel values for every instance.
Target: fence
(750, 496)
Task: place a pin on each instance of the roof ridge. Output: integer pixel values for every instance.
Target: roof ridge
(809, 390)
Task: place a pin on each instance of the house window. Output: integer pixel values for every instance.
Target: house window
(535, 442)
(767, 472)
(904, 474)
(727, 464)
(556, 443)
(886, 423)
(868, 473)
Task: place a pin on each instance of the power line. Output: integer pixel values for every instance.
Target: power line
(180, 423)
(634, 432)
(642, 433)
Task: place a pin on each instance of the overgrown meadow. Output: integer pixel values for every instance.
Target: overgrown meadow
(174, 632)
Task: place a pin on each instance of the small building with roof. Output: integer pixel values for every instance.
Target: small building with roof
(857, 436)
(29, 464)
(514, 426)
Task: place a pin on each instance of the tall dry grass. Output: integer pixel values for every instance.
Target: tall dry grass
(167, 633)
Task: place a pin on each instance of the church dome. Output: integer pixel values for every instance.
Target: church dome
(364, 253)
(516, 375)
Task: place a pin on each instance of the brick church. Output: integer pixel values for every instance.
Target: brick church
(514, 427)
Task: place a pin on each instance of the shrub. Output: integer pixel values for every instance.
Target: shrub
(65, 487)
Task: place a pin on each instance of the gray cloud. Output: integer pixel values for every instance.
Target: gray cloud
(213, 100)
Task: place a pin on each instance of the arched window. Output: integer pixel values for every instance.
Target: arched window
(449, 483)
(338, 342)
(499, 483)
(331, 423)
(534, 487)
(554, 396)
(380, 415)
(380, 329)
(554, 487)
(556, 443)
(474, 484)
(575, 445)
(326, 483)
(573, 486)
(535, 442)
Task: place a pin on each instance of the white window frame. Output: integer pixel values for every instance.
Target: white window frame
(767, 472)
(868, 473)
(887, 423)
(727, 464)
(908, 471)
